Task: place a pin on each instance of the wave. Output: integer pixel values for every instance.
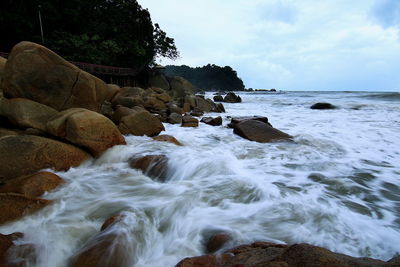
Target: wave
(393, 96)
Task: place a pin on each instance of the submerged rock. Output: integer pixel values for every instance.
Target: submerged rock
(217, 121)
(323, 106)
(269, 254)
(26, 154)
(33, 185)
(155, 166)
(167, 138)
(15, 206)
(217, 241)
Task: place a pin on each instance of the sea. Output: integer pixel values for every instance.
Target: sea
(336, 185)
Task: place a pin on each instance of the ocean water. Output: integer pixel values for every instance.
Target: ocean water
(336, 186)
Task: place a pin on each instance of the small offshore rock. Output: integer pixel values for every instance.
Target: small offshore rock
(167, 138)
(255, 130)
(197, 113)
(323, 106)
(217, 241)
(189, 121)
(218, 98)
(154, 166)
(232, 98)
(217, 121)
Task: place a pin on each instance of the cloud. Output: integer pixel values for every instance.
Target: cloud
(287, 44)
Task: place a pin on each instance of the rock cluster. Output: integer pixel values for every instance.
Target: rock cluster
(229, 98)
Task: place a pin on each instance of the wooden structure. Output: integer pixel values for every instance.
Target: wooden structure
(109, 74)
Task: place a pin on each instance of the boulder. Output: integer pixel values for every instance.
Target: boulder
(217, 241)
(175, 118)
(129, 92)
(218, 98)
(189, 121)
(204, 105)
(25, 113)
(128, 101)
(86, 128)
(112, 91)
(167, 138)
(153, 104)
(34, 72)
(6, 132)
(111, 221)
(164, 97)
(232, 98)
(191, 100)
(217, 121)
(236, 120)
(197, 113)
(323, 106)
(274, 255)
(219, 108)
(120, 112)
(154, 166)
(160, 81)
(7, 242)
(26, 154)
(2, 66)
(186, 107)
(32, 185)
(14, 206)
(175, 108)
(141, 122)
(255, 130)
(180, 87)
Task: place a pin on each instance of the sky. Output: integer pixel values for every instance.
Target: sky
(335, 45)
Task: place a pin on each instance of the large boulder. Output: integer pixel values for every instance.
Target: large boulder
(14, 206)
(2, 66)
(160, 81)
(141, 122)
(154, 166)
(323, 106)
(7, 242)
(34, 72)
(232, 98)
(112, 91)
(276, 255)
(205, 105)
(217, 121)
(26, 154)
(255, 130)
(180, 87)
(218, 98)
(25, 113)
(189, 121)
(86, 128)
(32, 185)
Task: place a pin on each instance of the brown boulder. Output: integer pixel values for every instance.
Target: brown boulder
(111, 221)
(174, 118)
(2, 66)
(212, 121)
(120, 112)
(217, 241)
(128, 101)
(34, 72)
(153, 104)
(14, 206)
(86, 128)
(235, 120)
(25, 113)
(112, 91)
(197, 113)
(232, 98)
(6, 242)
(160, 81)
(219, 108)
(205, 105)
(189, 121)
(180, 87)
(259, 131)
(6, 132)
(33, 185)
(22, 155)
(186, 107)
(154, 166)
(129, 92)
(164, 97)
(141, 122)
(167, 138)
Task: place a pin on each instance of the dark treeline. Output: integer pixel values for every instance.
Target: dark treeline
(209, 77)
(108, 32)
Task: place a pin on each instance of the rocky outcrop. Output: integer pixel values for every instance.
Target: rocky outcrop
(259, 131)
(87, 129)
(274, 255)
(189, 121)
(232, 98)
(167, 138)
(154, 166)
(109, 248)
(32, 185)
(140, 122)
(34, 72)
(159, 81)
(180, 87)
(26, 154)
(217, 121)
(15, 206)
(323, 106)
(25, 113)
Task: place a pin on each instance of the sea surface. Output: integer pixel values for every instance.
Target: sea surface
(336, 186)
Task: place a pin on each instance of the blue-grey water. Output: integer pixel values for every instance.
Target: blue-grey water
(337, 186)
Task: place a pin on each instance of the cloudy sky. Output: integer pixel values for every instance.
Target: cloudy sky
(289, 44)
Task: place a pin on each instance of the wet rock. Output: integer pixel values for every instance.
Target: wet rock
(15, 206)
(212, 121)
(219, 108)
(111, 221)
(203, 105)
(322, 106)
(128, 101)
(141, 122)
(173, 108)
(236, 120)
(34, 72)
(112, 91)
(218, 98)
(32, 185)
(191, 100)
(154, 166)
(186, 107)
(217, 241)
(6, 242)
(23, 155)
(232, 98)
(164, 97)
(175, 118)
(205, 261)
(25, 113)
(86, 128)
(129, 92)
(197, 113)
(2, 66)
(180, 87)
(255, 130)
(189, 121)
(120, 112)
(107, 109)
(160, 81)
(167, 138)
(6, 132)
(153, 104)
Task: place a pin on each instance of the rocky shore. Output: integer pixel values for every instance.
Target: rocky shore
(55, 116)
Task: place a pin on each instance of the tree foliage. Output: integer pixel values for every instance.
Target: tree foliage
(209, 77)
(109, 32)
